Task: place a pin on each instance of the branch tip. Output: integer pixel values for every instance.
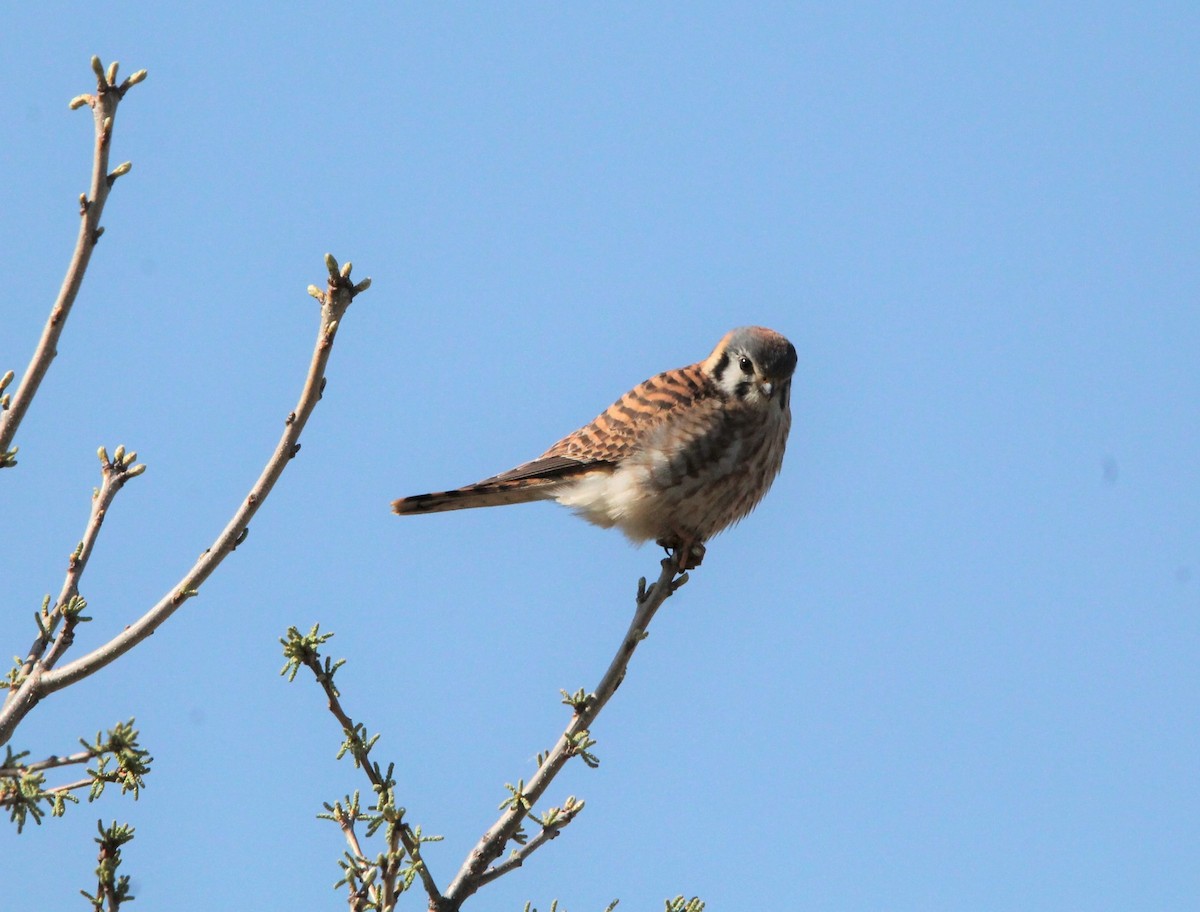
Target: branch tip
(46, 678)
(119, 171)
(575, 741)
(130, 81)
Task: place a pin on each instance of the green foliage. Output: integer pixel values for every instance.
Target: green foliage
(580, 742)
(47, 621)
(554, 907)
(577, 701)
(559, 817)
(120, 760)
(111, 890)
(516, 798)
(302, 650)
(23, 791)
(374, 883)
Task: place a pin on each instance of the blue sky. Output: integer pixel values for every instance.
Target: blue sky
(950, 663)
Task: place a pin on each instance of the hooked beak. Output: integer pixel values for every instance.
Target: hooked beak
(768, 388)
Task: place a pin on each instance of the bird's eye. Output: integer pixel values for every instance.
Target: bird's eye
(746, 365)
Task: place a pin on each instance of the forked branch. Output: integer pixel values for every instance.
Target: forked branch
(57, 623)
(404, 840)
(40, 681)
(377, 884)
(478, 869)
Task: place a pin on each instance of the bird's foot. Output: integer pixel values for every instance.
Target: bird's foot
(685, 554)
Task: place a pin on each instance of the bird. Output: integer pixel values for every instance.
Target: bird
(677, 459)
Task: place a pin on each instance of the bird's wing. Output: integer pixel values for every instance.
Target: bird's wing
(635, 418)
(545, 468)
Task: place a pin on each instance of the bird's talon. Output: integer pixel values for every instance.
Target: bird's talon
(684, 557)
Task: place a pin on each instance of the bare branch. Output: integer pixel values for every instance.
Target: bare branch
(42, 681)
(475, 870)
(91, 207)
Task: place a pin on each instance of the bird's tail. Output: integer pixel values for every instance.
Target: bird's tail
(484, 494)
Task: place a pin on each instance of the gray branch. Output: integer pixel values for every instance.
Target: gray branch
(42, 681)
(476, 871)
(91, 207)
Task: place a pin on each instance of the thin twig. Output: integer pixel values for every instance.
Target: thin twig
(11, 772)
(366, 892)
(41, 681)
(114, 474)
(347, 826)
(545, 835)
(412, 845)
(104, 110)
(474, 871)
(53, 790)
(391, 865)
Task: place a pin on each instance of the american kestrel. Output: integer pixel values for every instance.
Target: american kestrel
(676, 459)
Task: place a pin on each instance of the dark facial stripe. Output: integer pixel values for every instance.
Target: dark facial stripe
(719, 367)
(742, 389)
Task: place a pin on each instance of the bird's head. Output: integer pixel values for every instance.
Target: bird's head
(753, 364)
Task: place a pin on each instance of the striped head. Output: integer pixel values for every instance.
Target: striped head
(753, 365)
